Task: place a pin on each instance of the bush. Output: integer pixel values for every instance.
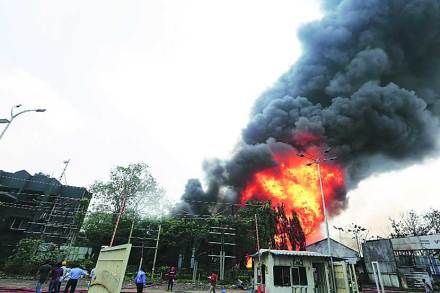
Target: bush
(29, 255)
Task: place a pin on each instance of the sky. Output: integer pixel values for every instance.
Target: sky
(168, 83)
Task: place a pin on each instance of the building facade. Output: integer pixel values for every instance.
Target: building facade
(38, 206)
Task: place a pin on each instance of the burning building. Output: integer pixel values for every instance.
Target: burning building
(366, 85)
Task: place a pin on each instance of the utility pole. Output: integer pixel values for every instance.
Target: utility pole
(142, 241)
(155, 252)
(121, 211)
(224, 232)
(131, 231)
(142, 256)
(259, 254)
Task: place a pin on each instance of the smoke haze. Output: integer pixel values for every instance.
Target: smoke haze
(367, 84)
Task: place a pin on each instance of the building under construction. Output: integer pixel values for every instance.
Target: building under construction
(38, 206)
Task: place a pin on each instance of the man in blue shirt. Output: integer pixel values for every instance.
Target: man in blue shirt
(75, 273)
(140, 280)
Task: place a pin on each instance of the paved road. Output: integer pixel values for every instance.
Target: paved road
(27, 286)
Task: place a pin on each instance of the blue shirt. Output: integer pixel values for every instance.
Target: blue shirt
(141, 278)
(76, 273)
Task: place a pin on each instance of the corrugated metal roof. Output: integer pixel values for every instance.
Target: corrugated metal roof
(291, 253)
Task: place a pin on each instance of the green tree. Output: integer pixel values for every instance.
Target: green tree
(98, 228)
(181, 234)
(245, 220)
(30, 254)
(432, 219)
(409, 224)
(133, 184)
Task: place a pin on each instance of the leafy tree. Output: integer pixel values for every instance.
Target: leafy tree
(30, 254)
(432, 219)
(245, 220)
(98, 228)
(181, 234)
(413, 224)
(289, 230)
(133, 184)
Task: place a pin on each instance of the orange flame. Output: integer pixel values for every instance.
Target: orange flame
(296, 186)
(248, 262)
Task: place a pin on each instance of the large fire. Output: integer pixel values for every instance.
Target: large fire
(295, 186)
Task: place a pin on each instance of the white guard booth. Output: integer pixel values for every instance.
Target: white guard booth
(291, 271)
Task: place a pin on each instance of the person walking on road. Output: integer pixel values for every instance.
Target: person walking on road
(75, 273)
(55, 278)
(42, 275)
(171, 278)
(213, 281)
(140, 280)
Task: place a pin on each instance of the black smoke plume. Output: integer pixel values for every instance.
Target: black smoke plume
(368, 84)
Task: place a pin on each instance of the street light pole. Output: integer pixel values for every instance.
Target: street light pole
(14, 115)
(318, 161)
(318, 164)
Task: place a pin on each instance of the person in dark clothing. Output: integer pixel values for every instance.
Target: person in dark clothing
(171, 278)
(140, 280)
(42, 275)
(55, 278)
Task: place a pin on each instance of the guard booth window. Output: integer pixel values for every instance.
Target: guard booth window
(299, 276)
(281, 276)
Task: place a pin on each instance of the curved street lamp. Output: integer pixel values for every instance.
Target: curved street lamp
(14, 115)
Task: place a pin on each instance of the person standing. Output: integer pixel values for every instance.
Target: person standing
(92, 277)
(42, 275)
(75, 273)
(213, 281)
(171, 278)
(66, 271)
(55, 279)
(140, 280)
(427, 285)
